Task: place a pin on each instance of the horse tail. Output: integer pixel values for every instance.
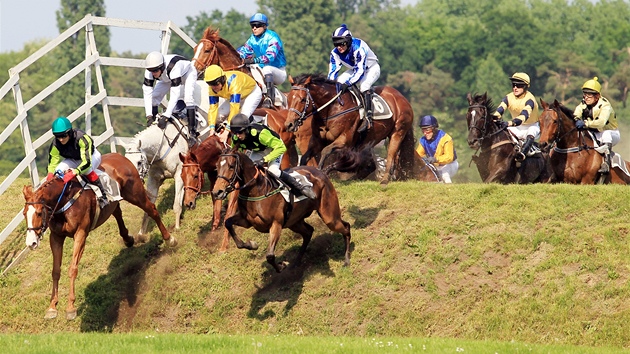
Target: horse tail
(406, 152)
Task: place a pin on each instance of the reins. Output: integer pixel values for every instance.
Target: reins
(309, 98)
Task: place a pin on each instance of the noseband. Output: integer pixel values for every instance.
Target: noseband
(200, 178)
(232, 180)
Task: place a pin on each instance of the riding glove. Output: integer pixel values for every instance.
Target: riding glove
(502, 124)
(430, 159)
(343, 87)
(68, 176)
(516, 122)
(248, 61)
(580, 125)
(260, 163)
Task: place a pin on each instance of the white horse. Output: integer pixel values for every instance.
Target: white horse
(155, 153)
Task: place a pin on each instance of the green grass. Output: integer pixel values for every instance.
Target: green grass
(488, 266)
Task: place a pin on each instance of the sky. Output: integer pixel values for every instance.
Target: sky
(19, 23)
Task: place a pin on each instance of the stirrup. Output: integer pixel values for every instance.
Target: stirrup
(604, 168)
(103, 202)
(267, 103)
(520, 157)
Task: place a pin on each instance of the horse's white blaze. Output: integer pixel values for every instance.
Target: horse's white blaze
(198, 51)
(223, 162)
(32, 240)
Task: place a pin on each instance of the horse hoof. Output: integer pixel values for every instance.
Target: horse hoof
(50, 314)
(129, 243)
(171, 242)
(71, 315)
(253, 245)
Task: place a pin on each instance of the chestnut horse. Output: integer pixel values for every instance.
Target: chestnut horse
(71, 211)
(261, 205)
(573, 156)
(496, 161)
(335, 119)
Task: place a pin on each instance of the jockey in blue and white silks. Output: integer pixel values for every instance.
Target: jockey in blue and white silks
(264, 48)
(362, 63)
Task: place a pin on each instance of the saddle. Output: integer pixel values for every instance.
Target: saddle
(112, 188)
(380, 108)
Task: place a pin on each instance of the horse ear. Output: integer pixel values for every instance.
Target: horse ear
(556, 103)
(469, 98)
(291, 80)
(307, 81)
(182, 157)
(543, 104)
(485, 96)
(27, 191)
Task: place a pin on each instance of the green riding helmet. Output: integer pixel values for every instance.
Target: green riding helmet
(61, 125)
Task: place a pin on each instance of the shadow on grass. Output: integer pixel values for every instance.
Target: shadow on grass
(364, 217)
(101, 309)
(288, 285)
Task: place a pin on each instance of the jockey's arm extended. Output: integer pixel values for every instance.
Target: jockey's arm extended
(269, 140)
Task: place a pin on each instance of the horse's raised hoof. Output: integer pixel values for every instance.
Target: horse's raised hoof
(129, 241)
(71, 315)
(253, 245)
(171, 242)
(281, 266)
(50, 314)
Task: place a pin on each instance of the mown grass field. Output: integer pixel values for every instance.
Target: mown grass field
(546, 265)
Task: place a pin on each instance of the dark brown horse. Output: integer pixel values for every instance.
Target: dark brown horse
(260, 205)
(496, 162)
(573, 157)
(212, 49)
(71, 211)
(335, 119)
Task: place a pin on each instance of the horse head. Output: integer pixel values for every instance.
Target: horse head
(229, 171)
(134, 153)
(212, 49)
(192, 175)
(298, 100)
(39, 209)
(555, 123)
(480, 124)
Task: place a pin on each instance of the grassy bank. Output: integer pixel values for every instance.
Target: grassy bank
(536, 264)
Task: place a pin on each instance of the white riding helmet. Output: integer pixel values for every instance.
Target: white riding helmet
(154, 60)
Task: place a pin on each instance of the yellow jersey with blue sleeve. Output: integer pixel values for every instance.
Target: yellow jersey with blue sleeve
(441, 147)
(524, 107)
(238, 85)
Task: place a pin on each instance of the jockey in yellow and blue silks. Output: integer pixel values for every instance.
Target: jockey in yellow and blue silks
(265, 49)
(436, 147)
(229, 93)
(363, 68)
(72, 153)
(523, 107)
(266, 150)
(596, 113)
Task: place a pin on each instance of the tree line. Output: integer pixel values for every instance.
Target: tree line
(434, 52)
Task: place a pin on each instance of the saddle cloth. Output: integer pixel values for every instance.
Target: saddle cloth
(112, 188)
(302, 180)
(380, 108)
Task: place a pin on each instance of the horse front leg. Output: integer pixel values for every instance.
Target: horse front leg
(153, 185)
(56, 246)
(274, 236)
(238, 220)
(142, 200)
(73, 270)
(232, 209)
(179, 196)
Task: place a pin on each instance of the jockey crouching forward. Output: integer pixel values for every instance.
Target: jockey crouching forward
(229, 93)
(72, 152)
(363, 71)
(265, 49)
(267, 149)
(596, 113)
(174, 73)
(524, 110)
(436, 147)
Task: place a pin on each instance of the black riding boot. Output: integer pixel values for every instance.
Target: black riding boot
(271, 92)
(151, 118)
(607, 163)
(367, 103)
(527, 145)
(296, 186)
(102, 201)
(192, 126)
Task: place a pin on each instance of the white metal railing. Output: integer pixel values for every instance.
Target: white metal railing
(92, 61)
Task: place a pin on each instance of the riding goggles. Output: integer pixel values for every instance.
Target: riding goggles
(156, 69)
(257, 24)
(518, 85)
(61, 135)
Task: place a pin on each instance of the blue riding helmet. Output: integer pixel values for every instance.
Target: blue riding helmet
(259, 18)
(61, 125)
(428, 121)
(342, 35)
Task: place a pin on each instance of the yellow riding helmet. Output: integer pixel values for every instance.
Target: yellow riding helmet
(522, 77)
(212, 73)
(592, 86)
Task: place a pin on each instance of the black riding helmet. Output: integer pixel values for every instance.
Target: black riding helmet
(239, 123)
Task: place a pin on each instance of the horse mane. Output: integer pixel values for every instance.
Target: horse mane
(212, 35)
(564, 109)
(490, 106)
(317, 79)
(205, 146)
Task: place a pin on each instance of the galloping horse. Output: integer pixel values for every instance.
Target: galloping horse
(261, 205)
(155, 152)
(335, 119)
(496, 161)
(212, 49)
(71, 211)
(573, 156)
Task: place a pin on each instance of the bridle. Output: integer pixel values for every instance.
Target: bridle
(235, 178)
(48, 213)
(211, 58)
(311, 102)
(559, 135)
(200, 179)
(473, 123)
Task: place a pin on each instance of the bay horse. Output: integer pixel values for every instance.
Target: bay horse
(262, 206)
(68, 210)
(214, 50)
(155, 153)
(335, 120)
(496, 162)
(572, 152)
